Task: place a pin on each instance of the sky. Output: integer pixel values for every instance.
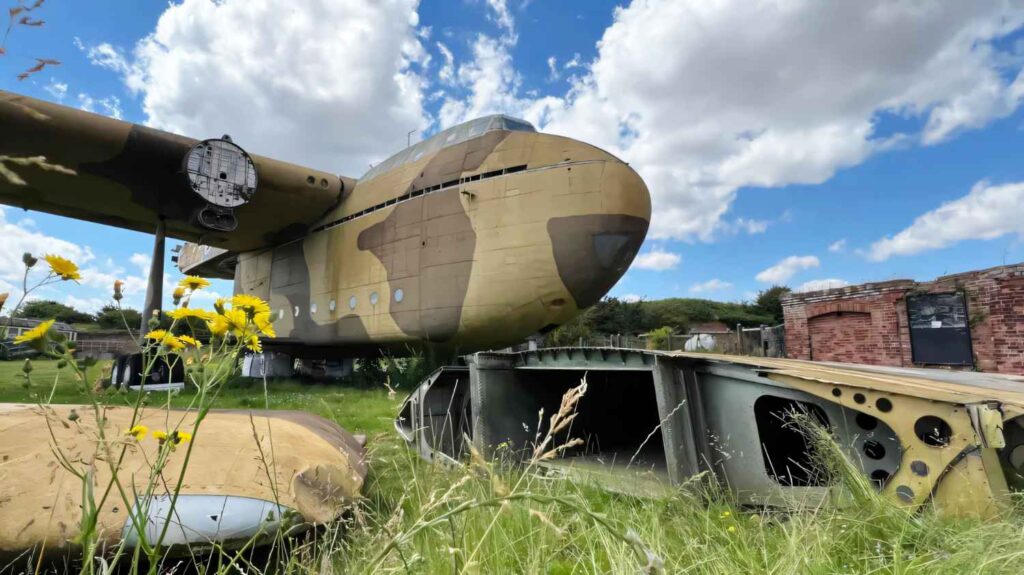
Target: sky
(796, 142)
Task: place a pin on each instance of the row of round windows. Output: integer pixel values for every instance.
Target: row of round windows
(399, 295)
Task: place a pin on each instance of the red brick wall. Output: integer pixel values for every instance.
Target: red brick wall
(842, 336)
(868, 323)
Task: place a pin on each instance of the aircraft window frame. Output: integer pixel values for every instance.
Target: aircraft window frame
(312, 309)
(352, 302)
(332, 305)
(374, 298)
(399, 295)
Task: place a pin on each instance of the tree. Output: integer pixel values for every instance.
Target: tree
(769, 301)
(49, 309)
(110, 317)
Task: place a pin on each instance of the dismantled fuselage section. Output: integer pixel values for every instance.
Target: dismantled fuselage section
(652, 420)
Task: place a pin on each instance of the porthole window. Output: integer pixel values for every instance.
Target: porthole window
(399, 295)
(352, 302)
(373, 298)
(312, 309)
(333, 306)
(296, 311)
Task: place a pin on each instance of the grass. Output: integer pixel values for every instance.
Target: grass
(423, 518)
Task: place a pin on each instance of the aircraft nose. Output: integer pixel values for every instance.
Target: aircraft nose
(593, 250)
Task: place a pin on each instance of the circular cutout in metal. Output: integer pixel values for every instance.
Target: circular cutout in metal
(866, 422)
(919, 468)
(879, 477)
(221, 173)
(905, 493)
(874, 450)
(859, 398)
(884, 405)
(933, 431)
(836, 392)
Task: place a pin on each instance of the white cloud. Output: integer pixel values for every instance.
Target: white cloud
(142, 262)
(88, 305)
(711, 285)
(986, 213)
(58, 90)
(501, 15)
(658, 260)
(702, 111)
(332, 84)
(823, 284)
(631, 298)
(18, 239)
(110, 106)
(837, 246)
(787, 268)
(447, 72)
(552, 68)
(574, 62)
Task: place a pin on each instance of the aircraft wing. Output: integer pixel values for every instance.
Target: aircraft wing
(126, 175)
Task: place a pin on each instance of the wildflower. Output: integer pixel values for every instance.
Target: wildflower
(138, 432)
(169, 340)
(73, 415)
(181, 437)
(253, 343)
(28, 260)
(117, 290)
(160, 436)
(190, 341)
(218, 326)
(265, 324)
(250, 304)
(179, 292)
(36, 334)
(65, 268)
(219, 305)
(725, 514)
(193, 283)
(237, 321)
(184, 312)
(731, 529)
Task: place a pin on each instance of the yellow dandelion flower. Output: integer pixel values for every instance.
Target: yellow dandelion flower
(265, 324)
(138, 432)
(179, 292)
(193, 283)
(181, 437)
(37, 333)
(218, 326)
(237, 321)
(219, 305)
(63, 267)
(160, 436)
(725, 514)
(156, 334)
(250, 304)
(190, 341)
(253, 343)
(184, 312)
(172, 342)
(731, 529)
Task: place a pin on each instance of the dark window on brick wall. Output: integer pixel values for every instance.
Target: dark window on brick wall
(940, 333)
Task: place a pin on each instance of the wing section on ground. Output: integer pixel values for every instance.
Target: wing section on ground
(130, 176)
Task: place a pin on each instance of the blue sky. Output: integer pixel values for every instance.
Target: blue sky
(796, 142)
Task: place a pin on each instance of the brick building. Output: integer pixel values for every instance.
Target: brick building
(972, 320)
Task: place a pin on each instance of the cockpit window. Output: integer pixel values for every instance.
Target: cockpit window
(450, 137)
